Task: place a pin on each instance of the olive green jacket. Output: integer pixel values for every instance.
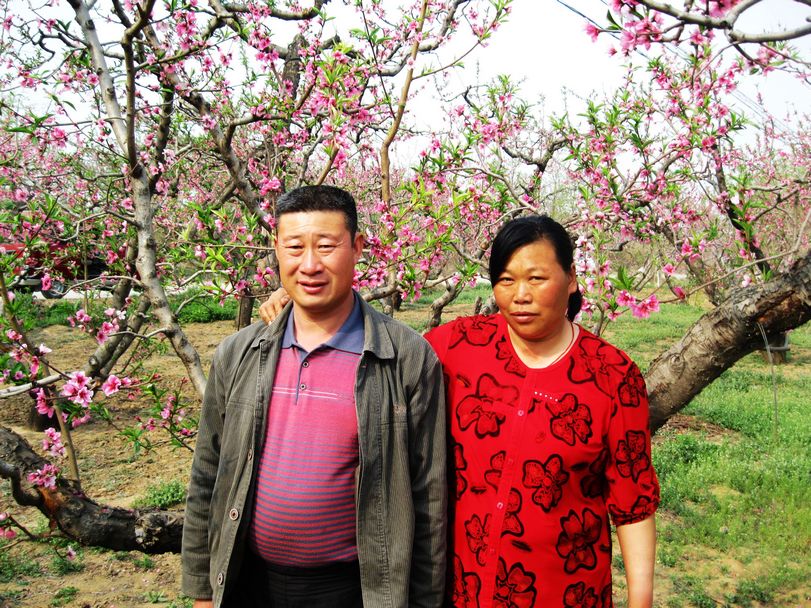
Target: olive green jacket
(401, 481)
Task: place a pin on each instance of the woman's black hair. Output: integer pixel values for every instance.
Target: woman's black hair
(525, 231)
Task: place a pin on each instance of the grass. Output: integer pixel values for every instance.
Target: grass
(15, 564)
(64, 596)
(163, 495)
(735, 519)
(202, 308)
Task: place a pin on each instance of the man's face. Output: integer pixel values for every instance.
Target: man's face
(317, 257)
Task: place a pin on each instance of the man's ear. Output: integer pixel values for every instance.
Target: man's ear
(357, 246)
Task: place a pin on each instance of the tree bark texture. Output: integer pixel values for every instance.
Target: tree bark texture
(724, 335)
(713, 344)
(81, 518)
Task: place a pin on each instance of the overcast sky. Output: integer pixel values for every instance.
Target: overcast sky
(545, 43)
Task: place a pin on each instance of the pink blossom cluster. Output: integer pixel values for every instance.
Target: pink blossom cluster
(78, 389)
(52, 444)
(113, 384)
(44, 477)
(81, 319)
(6, 531)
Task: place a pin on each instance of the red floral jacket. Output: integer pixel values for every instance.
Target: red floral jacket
(542, 458)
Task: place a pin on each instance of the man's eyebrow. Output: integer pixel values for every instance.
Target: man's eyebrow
(320, 235)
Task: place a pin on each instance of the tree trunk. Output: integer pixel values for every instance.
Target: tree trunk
(148, 530)
(714, 343)
(724, 335)
(245, 309)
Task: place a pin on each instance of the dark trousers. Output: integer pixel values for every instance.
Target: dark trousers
(263, 585)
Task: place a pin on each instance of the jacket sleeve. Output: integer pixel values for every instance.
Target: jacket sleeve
(428, 484)
(195, 554)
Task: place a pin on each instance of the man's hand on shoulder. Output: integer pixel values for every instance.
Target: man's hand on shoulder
(272, 307)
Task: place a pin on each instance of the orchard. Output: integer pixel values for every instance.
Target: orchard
(154, 138)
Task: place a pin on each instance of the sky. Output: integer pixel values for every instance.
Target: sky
(545, 43)
(544, 46)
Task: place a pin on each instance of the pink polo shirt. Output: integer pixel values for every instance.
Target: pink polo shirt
(304, 510)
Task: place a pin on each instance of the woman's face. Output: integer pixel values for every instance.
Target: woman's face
(533, 292)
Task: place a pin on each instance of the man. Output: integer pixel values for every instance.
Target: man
(319, 473)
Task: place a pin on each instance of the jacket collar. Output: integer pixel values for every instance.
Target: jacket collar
(376, 338)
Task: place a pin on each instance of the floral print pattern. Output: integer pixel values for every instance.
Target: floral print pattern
(580, 596)
(493, 474)
(466, 586)
(513, 525)
(632, 455)
(571, 420)
(599, 362)
(594, 483)
(632, 391)
(478, 332)
(577, 539)
(515, 588)
(544, 458)
(482, 410)
(547, 479)
(477, 533)
(459, 467)
(642, 508)
(513, 365)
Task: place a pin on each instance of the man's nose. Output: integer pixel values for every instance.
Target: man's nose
(310, 261)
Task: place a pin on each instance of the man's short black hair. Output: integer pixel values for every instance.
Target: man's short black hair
(319, 198)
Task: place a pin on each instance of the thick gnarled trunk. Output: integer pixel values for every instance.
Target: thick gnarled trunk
(726, 334)
(81, 518)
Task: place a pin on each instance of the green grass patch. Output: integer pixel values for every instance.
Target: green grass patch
(14, 565)
(645, 339)
(203, 308)
(63, 565)
(199, 307)
(64, 596)
(733, 474)
(163, 494)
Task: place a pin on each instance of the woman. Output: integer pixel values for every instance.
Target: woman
(550, 432)
(550, 435)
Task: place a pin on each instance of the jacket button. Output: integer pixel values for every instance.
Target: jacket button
(250, 454)
(233, 514)
(220, 578)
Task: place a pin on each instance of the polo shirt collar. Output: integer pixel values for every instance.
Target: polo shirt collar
(348, 338)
